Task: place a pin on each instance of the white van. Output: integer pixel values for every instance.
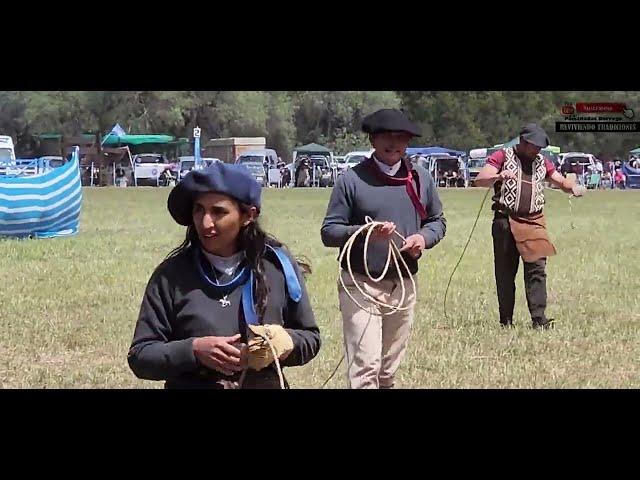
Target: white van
(264, 156)
(7, 152)
(148, 167)
(259, 162)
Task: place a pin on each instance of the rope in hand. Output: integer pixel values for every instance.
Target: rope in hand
(394, 254)
(444, 305)
(276, 361)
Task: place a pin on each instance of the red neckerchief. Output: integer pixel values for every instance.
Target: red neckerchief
(407, 181)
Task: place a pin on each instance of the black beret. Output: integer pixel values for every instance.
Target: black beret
(233, 180)
(535, 135)
(389, 120)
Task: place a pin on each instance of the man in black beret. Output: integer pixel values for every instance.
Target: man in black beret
(519, 226)
(389, 189)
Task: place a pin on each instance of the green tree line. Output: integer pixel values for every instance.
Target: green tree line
(460, 120)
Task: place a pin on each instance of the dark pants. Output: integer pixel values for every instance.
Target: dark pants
(506, 261)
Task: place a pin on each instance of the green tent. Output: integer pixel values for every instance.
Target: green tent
(112, 140)
(635, 152)
(313, 148)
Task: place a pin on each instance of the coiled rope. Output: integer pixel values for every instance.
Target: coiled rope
(393, 254)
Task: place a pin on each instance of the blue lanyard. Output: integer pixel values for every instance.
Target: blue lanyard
(222, 288)
(245, 277)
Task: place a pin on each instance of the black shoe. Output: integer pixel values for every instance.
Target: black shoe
(506, 323)
(543, 323)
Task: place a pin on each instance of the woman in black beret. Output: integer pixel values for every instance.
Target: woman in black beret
(229, 300)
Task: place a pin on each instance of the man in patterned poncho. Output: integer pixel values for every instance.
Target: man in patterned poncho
(519, 227)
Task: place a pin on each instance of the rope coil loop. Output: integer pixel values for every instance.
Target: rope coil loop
(392, 254)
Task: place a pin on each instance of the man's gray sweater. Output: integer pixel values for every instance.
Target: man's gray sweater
(359, 193)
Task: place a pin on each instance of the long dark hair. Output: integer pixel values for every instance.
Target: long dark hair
(253, 240)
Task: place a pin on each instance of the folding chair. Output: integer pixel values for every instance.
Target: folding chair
(594, 181)
(275, 177)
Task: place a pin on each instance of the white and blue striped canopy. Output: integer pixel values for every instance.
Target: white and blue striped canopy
(42, 206)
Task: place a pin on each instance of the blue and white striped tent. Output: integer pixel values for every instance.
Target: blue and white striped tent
(42, 206)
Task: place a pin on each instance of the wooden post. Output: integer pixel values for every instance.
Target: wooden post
(99, 155)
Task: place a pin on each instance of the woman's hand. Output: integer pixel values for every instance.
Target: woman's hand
(219, 353)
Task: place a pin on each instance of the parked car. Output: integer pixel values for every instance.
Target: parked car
(352, 159)
(339, 161)
(148, 168)
(577, 163)
(321, 171)
(53, 161)
(187, 163)
(477, 161)
(267, 157)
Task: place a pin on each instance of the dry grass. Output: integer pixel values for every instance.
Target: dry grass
(69, 305)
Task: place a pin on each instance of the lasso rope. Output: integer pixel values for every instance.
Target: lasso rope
(276, 361)
(484, 199)
(393, 254)
(444, 304)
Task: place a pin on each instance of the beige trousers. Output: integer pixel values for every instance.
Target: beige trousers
(374, 344)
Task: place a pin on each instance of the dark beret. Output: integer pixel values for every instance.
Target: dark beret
(389, 120)
(233, 180)
(535, 135)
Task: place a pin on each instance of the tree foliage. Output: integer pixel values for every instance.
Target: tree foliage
(460, 120)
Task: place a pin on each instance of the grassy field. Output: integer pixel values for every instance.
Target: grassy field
(69, 306)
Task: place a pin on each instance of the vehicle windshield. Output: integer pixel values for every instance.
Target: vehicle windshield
(319, 162)
(150, 159)
(251, 159)
(56, 162)
(356, 158)
(187, 164)
(254, 168)
(578, 160)
(5, 154)
(477, 162)
(447, 164)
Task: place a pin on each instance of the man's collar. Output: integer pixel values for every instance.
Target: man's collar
(390, 170)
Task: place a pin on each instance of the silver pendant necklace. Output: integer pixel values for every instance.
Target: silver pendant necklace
(224, 301)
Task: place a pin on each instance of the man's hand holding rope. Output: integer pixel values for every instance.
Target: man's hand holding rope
(414, 244)
(383, 231)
